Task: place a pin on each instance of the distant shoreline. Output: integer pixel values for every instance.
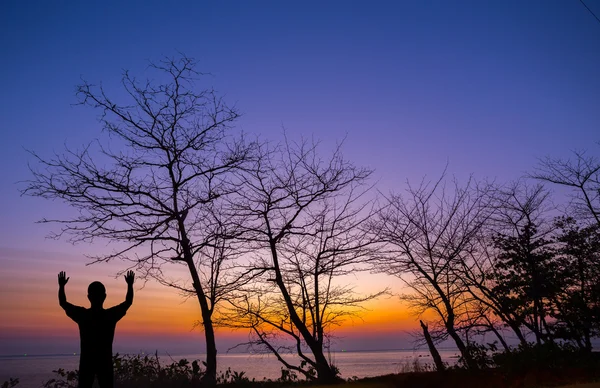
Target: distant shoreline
(48, 355)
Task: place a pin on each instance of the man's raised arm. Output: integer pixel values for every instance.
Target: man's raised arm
(119, 311)
(73, 312)
(62, 296)
(129, 278)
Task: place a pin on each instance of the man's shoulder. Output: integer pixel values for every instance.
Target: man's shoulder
(119, 309)
(76, 313)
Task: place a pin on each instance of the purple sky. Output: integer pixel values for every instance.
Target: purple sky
(488, 86)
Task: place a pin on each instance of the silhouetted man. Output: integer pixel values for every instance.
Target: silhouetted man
(96, 330)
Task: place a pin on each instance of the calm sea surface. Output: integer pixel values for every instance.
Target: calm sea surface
(33, 370)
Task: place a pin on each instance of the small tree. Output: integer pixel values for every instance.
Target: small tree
(302, 216)
(577, 310)
(154, 183)
(524, 266)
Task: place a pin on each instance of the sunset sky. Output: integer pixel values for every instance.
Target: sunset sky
(485, 86)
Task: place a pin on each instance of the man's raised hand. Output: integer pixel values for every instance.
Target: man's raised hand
(129, 277)
(62, 278)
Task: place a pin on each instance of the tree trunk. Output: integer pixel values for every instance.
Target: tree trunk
(500, 338)
(449, 324)
(461, 347)
(325, 373)
(517, 330)
(587, 337)
(535, 324)
(437, 359)
(464, 351)
(210, 376)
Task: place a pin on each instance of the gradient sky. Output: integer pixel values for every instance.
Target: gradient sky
(488, 86)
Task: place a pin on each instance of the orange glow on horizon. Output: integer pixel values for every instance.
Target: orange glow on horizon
(32, 300)
(170, 315)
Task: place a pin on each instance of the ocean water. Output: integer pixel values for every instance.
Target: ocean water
(32, 371)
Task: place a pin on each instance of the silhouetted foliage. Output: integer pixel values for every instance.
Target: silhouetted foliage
(577, 304)
(10, 383)
(137, 371)
(546, 356)
(525, 275)
(529, 365)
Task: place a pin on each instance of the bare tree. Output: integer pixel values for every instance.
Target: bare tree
(152, 185)
(302, 215)
(582, 174)
(426, 235)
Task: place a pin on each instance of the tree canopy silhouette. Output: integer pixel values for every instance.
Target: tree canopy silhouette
(301, 215)
(426, 234)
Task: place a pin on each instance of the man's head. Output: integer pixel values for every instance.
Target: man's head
(96, 293)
